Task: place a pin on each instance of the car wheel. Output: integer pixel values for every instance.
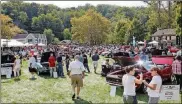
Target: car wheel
(173, 79)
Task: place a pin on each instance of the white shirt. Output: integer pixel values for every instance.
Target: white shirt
(17, 63)
(155, 93)
(179, 53)
(33, 61)
(129, 85)
(76, 67)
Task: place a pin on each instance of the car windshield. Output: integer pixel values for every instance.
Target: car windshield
(148, 65)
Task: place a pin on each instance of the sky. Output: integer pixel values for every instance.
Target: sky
(67, 4)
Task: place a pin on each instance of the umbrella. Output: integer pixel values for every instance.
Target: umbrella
(153, 42)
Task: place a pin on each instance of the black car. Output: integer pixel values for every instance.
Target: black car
(7, 63)
(44, 62)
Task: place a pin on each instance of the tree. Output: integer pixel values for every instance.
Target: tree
(56, 40)
(67, 34)
(91, 28)
(179, 18)
(8, 29)
(121, 31)
(49, 35)
(23, 17)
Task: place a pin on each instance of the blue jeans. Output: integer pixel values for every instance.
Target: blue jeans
(86, 66)
(60, 69)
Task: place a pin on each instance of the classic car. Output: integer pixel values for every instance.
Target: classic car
(43, 64)
(7, 62)
(121, 59)
(163, 63)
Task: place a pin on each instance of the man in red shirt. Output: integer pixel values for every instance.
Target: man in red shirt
(52, 64)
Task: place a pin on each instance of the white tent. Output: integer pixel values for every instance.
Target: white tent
(27, 44)
(153, 42)
(41, 44)
(11, 43)
(140, 42)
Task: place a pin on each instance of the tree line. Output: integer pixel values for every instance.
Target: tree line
(91, 24)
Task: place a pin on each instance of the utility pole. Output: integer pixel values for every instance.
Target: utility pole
(159, 17)
(169, 14)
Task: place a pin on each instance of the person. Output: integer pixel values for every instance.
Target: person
(85, 62)
(32, 62)
(76, 73)
(177, 70)
(17, 66)
(95, 59)
(128, 80)
(154, 87)
(60, 65)
(81, 57)
(67, 61)
(52, 64)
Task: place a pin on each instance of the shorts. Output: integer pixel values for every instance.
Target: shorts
(153, 100)
(77, 80)
(95, 64)
(17, 69)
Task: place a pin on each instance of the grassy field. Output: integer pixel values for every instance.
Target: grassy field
(49, 90)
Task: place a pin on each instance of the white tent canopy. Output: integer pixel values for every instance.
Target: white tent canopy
(153, 42)
(27, 44)
(41, 44)
(11, 43)
(140, 42)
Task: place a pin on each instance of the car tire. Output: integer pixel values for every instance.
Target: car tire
(173, 79)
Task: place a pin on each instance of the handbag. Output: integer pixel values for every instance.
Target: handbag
(55, 74)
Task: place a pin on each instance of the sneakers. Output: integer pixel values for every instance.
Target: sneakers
(73, 97)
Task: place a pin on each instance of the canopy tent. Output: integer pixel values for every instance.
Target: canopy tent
(41, 44)
(153, 42)
(11, 43)
(140, 42)
(27, 44)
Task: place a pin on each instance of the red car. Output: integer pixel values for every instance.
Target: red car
(163, 63)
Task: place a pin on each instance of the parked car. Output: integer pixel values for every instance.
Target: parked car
(163, 63)
(121, 59)
(7, 62)
(43, 62)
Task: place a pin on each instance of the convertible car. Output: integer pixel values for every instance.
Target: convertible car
(163, 63)
(121, 59)
(7, 62)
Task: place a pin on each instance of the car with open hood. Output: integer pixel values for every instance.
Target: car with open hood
(7, 63)
(163, 63)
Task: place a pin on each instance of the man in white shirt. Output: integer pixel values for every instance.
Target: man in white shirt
(76, 73)
(31, 66)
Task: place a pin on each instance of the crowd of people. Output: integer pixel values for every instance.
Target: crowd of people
(76, 68)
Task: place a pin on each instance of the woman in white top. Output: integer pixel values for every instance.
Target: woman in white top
(17, 66)
(154, 87)
(128, 80)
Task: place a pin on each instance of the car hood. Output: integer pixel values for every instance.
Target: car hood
(163, 60)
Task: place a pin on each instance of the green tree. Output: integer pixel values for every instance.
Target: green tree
(91, 28)
(179, 18)
(56, 41)
(23, 17)
(67, 34)
(49, 35)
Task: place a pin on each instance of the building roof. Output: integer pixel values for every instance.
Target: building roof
(38, 35)
(20, 36)
(164, 32)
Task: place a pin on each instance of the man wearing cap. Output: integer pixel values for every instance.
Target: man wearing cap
(76, 73)
(95, 59)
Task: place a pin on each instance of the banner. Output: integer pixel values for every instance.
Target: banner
(170, 92)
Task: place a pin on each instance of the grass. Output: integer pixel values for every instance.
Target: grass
(49, 90)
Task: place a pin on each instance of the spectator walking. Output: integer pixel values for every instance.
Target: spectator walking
(67, 61)
(95, 59)
(85, 62)
(17, 66)
(52, 64)
(128, 80)
(177, 70)
(154, 87)
(60, 66)
(32, 62)
(76, 73)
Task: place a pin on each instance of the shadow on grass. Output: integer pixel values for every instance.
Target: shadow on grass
(81, 101)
